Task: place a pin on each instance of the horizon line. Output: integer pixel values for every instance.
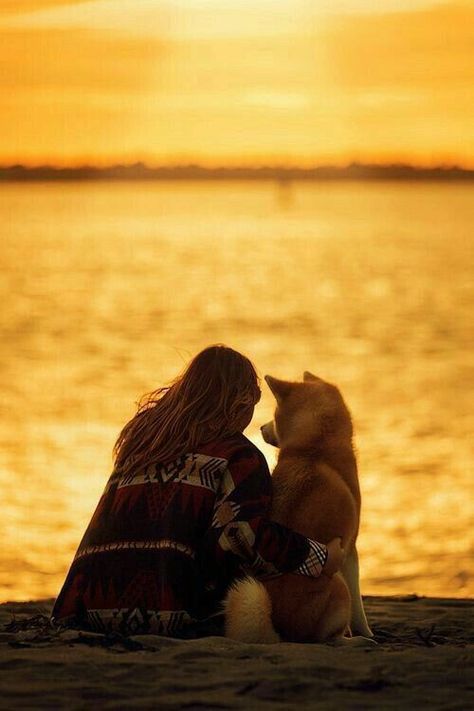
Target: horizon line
(244, 165)
(140, 171)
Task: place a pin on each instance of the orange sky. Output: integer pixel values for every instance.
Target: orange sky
(221, 81)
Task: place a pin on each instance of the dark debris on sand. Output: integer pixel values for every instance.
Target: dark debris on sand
(423, 660)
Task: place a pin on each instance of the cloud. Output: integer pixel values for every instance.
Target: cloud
(77, 60)
(19, 7)
(427, 50)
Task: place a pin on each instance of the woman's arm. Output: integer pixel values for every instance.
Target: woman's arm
(241, 526)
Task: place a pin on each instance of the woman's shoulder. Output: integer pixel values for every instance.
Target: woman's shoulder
(230, 447)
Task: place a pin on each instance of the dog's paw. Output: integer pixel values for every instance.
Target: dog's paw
(363, 632)
(357, 641)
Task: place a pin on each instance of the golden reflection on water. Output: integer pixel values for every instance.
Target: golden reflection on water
(108, 289)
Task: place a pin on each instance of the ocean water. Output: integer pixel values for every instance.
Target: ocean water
(108, 289)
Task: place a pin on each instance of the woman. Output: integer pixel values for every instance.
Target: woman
(184, 511)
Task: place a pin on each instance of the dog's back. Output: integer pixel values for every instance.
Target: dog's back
(312, 498)
(315, 499)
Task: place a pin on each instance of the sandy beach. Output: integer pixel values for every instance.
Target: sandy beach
(423, 660)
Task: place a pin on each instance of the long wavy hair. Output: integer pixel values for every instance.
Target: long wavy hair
(211, 399)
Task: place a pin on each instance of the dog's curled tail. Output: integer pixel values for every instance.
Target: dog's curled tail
(248, 613)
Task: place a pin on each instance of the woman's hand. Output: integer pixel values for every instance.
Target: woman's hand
(335, 557)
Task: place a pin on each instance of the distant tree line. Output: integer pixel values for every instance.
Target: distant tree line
(141, 171)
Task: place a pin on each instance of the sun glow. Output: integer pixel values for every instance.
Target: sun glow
(220, 82)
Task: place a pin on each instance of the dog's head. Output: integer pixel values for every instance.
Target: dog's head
(307, 414)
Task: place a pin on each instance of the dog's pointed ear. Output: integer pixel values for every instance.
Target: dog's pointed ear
(280, 388)
(308, 377)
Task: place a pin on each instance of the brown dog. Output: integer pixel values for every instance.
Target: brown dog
(315, 492)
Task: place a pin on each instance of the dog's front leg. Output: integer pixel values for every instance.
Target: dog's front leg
(350, 571)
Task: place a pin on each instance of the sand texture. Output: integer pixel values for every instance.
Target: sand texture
(424, 659)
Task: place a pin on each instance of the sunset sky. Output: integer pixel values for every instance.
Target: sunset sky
(226, 81)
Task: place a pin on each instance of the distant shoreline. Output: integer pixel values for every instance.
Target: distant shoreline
(279, 174)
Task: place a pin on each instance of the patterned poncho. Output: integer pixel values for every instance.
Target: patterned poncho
(165, 543)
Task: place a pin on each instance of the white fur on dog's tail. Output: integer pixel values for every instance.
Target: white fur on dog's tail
(248, 613)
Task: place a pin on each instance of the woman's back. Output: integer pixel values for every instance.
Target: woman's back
(139, 566)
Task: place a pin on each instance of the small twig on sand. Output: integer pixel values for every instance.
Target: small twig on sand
(40, 622)
(426, 636)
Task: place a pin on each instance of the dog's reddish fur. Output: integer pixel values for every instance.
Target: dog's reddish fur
(316, 492)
